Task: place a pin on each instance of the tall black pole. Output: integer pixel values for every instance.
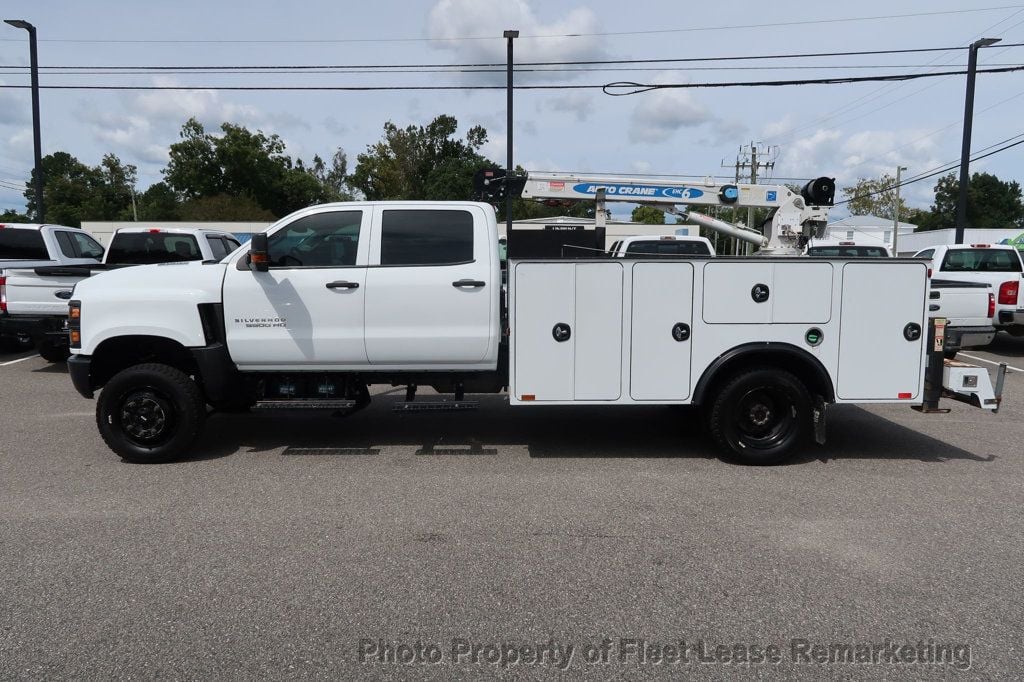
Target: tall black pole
(509, 168)
(965, 149)
(36, 137)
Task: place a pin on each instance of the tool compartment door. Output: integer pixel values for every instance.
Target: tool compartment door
(876, 360)
(662, 299)
(586, 300)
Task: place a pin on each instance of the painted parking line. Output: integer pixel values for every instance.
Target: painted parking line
(11, 362)
(991, 362)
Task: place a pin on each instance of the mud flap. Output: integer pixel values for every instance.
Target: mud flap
(818, 417)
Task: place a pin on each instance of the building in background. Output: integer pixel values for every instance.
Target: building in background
(868, 229)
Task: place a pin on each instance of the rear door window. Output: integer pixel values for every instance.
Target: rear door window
(217, 247)
(981, 260)
(17, 244)
(67, 247)
(668, 247)
(85, 246)
(426, 237)
(141, 248)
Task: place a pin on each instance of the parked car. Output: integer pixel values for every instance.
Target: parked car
(998, 265)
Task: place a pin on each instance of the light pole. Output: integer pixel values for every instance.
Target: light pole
(34, 58)
(965, 151)
(510, 36)
(896, 213)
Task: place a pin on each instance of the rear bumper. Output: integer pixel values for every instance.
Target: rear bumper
(965, 337)
(1011, 317)
(52, 328)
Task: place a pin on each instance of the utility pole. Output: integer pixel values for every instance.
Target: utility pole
(965, 150)
(754, 165)
(510, 36)
(896, 213)
(36, 137)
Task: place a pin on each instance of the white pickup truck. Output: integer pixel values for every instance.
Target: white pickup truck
(34, 294)
(666, 245)
(339, 297)
(33, 308)
(998, 265)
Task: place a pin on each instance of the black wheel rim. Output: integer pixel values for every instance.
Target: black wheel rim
(146, 417)
(765, 417)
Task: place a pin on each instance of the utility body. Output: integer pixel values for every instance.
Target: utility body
(339, 297)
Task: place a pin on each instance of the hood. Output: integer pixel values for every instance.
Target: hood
(195, 280)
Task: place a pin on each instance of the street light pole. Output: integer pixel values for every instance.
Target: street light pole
(510, 36)
(965, 150)
(36, 138)
(896, 213)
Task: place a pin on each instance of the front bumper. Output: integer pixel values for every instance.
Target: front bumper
(966, 337)
(78, 368)
(52, 328)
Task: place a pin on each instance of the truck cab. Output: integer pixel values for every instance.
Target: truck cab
(147, 245)
(826, 248)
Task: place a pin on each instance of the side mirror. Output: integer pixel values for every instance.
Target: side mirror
(259, 259)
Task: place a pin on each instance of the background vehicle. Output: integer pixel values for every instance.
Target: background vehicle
(145, 246)
(338, 297)
(667, 245)
(32, 309)
(998, 265)
(968, 308)
(821, 248)
(35, 294)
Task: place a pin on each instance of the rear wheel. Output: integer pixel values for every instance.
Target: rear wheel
(761, 416)
(150, 413)
(53, 352)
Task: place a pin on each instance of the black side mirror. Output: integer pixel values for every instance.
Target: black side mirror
(259, 259)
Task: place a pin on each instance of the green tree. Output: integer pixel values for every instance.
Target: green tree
(648, 215)
(421, 162)
(75, 192)
(243, 163)
(12, 216)
(159, 202)
(991, 203)
(223, 207)
(875, 196)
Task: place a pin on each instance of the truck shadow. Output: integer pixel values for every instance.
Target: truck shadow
(550, 432)
(1006, 345)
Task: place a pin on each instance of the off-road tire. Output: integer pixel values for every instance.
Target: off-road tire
(150, 413)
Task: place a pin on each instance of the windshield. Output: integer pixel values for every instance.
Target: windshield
(847, 252)
(668, 247)
(22, 245)
(142, 248)
(981, 260)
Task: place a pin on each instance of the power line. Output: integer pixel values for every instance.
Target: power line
(578, 62)
(691, 29)
(633, 88)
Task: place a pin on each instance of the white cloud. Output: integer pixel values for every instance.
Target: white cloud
(658, 114)
(578, 104)
(14, 107)
(454, 19)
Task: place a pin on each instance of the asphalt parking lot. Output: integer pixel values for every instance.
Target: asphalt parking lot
(288, 540)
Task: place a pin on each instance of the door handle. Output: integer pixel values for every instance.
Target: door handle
(342, 284)
(468, 284)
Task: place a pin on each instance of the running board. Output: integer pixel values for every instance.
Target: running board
(436, 406)
(304, 404)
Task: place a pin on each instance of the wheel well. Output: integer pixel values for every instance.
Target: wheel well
(122, 352)
(794, 360)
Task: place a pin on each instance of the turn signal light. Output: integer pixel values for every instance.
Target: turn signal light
(75, 313)
(992, 304)
(3, 294)
(1008, 293)
(76, 338)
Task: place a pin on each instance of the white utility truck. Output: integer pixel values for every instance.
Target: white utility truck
(338, 297)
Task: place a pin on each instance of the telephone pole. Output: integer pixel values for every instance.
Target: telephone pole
(747, 159)
(896, 213)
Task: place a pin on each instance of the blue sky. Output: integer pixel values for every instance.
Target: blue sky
(846, 131)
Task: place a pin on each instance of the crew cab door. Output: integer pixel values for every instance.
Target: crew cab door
(307, 309)
(430, 289)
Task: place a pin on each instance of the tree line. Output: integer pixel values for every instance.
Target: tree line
(239, 174)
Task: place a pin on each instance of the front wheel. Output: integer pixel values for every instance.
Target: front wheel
(760, 416)
(150, 413)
